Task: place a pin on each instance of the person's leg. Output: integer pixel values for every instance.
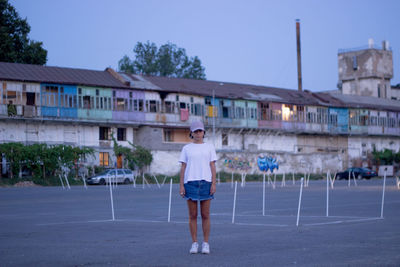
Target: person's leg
(205, 218)
(192, 207)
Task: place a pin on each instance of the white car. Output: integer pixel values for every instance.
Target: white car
(125, 176)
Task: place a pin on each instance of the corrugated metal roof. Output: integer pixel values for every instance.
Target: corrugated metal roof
(46, 74)
(355, 101)
(232, 90)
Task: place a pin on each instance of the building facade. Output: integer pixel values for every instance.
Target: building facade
(305, 131)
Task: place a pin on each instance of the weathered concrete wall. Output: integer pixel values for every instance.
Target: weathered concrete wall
(167, 162)
(315, 153)
(366, 72)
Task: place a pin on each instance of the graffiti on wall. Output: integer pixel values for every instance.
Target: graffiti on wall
(237, 163)
(267, 163)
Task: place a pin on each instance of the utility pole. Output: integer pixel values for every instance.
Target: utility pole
(299, 78)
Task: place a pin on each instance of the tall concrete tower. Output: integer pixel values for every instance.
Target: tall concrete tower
(366, 71)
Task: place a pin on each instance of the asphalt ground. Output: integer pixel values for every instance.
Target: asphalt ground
(51, 226)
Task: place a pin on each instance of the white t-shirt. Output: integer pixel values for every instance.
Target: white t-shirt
(197, 158)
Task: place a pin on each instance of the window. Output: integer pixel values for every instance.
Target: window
(355, 65)
(140, 105)
(86, 102)
(167, 135)
(333, 119)
(80, 91)
(198, 109)
(104, 133)
(208, 101)
(276, 115)
(121, 134)
(176, 135)
(169, 107)
(152, 106)
(109, 102)
(103, 156)
(322, 115)
(239, 113)
(264, 111)
(97, 92)
(224, 139)
(379, 90)
(120, 104)
(225, 112)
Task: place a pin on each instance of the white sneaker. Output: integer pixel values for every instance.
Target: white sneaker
(195, 248)
(205, 248)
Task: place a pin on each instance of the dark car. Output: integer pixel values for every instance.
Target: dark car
(359, 173)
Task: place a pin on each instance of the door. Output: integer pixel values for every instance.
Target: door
(119, 162)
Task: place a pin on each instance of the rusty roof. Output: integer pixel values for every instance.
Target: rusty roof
(46, 74)
(232, 90)
(368, 102)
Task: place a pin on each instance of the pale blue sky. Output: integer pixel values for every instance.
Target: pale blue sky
(237, 41)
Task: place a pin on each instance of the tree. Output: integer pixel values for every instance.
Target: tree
(15, 46)
(14, 153)
(169, 60)
(137, 156)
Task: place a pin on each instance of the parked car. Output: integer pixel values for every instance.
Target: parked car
(358, 173)
(121, 175)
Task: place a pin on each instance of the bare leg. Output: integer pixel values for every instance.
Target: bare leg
(205, 218)
(192, 207)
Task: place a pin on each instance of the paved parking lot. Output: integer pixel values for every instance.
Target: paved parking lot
(49, 226)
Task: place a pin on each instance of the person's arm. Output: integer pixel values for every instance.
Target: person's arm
(213, 178)
(182, 179)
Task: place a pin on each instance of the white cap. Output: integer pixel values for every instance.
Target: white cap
(196, 125)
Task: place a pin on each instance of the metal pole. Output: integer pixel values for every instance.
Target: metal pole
(213, 116)
(169, 205)
(234, 203)
(263, 206)
(298, 209)
(383, 193)
(327, 193)
(111, 197)
(299, 77)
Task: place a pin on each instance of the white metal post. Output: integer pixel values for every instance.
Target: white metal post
(327, 193)
(263, 205)
(234, 203)
(111, 197)
(62, 183)
(300, 196)
(283, 183)
(84, 181)
(66, 179)
(169, 205)
(383, 193)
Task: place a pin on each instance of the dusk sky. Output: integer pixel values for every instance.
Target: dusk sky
(251, 41)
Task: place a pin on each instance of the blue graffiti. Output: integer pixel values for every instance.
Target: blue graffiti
(267, 163)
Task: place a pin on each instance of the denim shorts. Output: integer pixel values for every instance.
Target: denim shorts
(198, 190)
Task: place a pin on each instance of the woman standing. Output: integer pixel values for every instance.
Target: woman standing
(197, 182)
